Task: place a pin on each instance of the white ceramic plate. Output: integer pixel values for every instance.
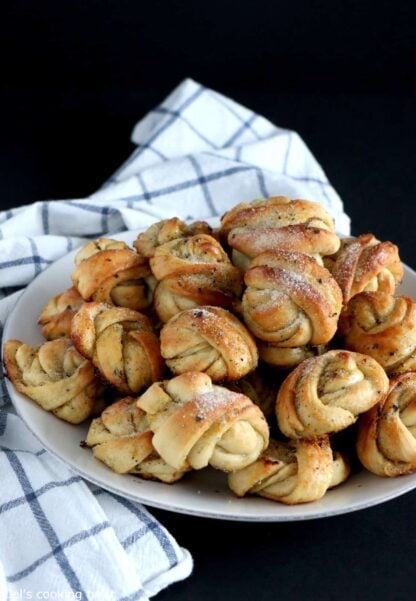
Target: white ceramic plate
(201, 493)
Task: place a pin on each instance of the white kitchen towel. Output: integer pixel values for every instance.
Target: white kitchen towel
(196, 155)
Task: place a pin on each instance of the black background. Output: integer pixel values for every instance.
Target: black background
(76, 76)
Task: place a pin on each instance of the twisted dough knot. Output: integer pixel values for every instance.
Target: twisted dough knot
(325, 394)
(109, 271)
(191, 272)
(121, 344)
(278, 223)
(197, 423)
(365, 264)
(295, 472)
(210, 340)
(290, 300)
(165, 231)
(121, 439)
(287, 358)
(57, 314)
(384, 327)
(56, 376)
(386, 443)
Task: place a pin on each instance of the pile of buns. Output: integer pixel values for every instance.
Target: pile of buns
(192, 347)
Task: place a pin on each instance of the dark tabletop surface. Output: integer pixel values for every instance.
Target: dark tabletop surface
(77, 78)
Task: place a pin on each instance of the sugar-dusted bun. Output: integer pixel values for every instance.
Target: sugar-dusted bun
(56, 376)
(268, 224)
(57, 314)
(384, 327)
(197, 423)
(211, 340)
(109, 271)
(290, 300)
(298, 471)
(121, 439)
(326, 394)
(287, 358)
(121, 344)
(248, 243)
(277, 211)
(364, 264)
(165, 231)
(386, 442)
(194, 271)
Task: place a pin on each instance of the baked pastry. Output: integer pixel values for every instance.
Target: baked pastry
(121, 439)
(257, 387)
(56, 376)
(384, 327)
(121, 344)
(290, 300)
(109, 271)
(364, 264)
(386, 442)
(326, 394)
(287, 358)
(211, 340)
(192, 272)
(57, 314)
(197, 423)
(165, 231)
(298, 471)
(278, 223)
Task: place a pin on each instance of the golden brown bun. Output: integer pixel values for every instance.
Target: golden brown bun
(249, 242)
(191, 272)
(384, 327)
(197, 423)
(275, 211)
(121, 439)
(121, 344)
(364, 264)
(326, 394)
(210, 340)
(187, 255)
(295, 472)
(287, 358)
(386, 443)
(56, 376)
(165, 231)
(109, 271)
(57, 314)
(290, 300)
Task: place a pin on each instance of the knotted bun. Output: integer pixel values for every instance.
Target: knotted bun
(56, 316)
(384, 327)
(210, 340)
(326, 394)
(121, 344)
(299, 471)
(197, 423)
(56, 376)
(121, 439)
(290, 300)
(364, 264)
(109, 271)
(386, 443)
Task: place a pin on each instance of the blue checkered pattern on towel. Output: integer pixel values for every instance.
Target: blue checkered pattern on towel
(196, 155)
